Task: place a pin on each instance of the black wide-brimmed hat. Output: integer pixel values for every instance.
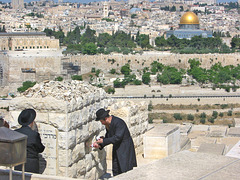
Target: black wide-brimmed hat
(101, 114)
(26, 117)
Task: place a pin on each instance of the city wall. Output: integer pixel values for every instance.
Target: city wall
(40, 65)
(138, 62)
(67, 126)
(35, 65)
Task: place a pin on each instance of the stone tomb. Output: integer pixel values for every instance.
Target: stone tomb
(161, 141)
(66, 123)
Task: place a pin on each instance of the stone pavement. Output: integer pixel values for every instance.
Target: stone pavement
(141, 161)
(187, 165)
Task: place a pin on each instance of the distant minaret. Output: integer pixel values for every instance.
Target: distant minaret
(17, 4)
(105, 9)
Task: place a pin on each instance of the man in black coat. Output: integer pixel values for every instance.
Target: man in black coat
(34, 144)
(123, 154)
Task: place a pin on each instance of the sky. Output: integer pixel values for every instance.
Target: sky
(87, 1)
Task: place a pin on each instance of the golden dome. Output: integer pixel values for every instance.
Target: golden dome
(189, 18)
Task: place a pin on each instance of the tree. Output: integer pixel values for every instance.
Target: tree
(103, 39)
(113, 71)
(170, 75)
(133, 16)
(146, 78)
(88, 36)
(89, 48)
(125, 69)
(143, 41)
(160, 42)
(156, 67)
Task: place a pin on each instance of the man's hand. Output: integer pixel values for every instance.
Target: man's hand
(95, 145)
(100, 141)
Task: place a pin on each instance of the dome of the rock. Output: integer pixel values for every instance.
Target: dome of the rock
(189, 18)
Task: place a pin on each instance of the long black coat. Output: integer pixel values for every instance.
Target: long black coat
(34, 146)
(119, 135)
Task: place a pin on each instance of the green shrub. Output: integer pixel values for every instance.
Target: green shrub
(97, 72)
(177, 116)
(221, 114)
(150, 120)
(77, 77)
(113, 71)
(229, 113)
(203, 115)
(93, 70)
(214, 114)
(211, 120)
(59, 78)
(190, 117)
(150, 106)
(110, 90)
(25, 86)
(137, 82)
(202, 120)
(224, 106)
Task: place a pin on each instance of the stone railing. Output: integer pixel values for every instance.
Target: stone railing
(67, 126)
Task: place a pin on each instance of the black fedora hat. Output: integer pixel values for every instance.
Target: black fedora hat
(26, 117)
(101, 114)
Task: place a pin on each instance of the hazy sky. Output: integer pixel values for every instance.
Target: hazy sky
(86, 1)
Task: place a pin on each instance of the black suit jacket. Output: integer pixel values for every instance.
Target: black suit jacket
(34, 144)
(119, 135)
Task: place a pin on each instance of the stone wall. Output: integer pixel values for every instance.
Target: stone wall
(3, 70)
(136, 62)
(66, 123)
(48, 64)
(135, 116)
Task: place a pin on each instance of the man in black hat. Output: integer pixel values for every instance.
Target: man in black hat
(123, 154)
(34, 144)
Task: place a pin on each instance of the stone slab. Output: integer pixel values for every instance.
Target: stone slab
(162, 130)
(196, 143)
(187, 165)
(237, 122)
(200, 128)
(228, 141)
(161, 141)
(235, 151)
(217, 149)
(234, 132)
(185, 129)
(218, 131)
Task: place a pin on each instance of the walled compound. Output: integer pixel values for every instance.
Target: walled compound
(66, 123)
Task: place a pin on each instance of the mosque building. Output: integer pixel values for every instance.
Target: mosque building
(189, 27)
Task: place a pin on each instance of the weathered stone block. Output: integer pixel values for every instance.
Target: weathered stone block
(78, 152)
(59, 121)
